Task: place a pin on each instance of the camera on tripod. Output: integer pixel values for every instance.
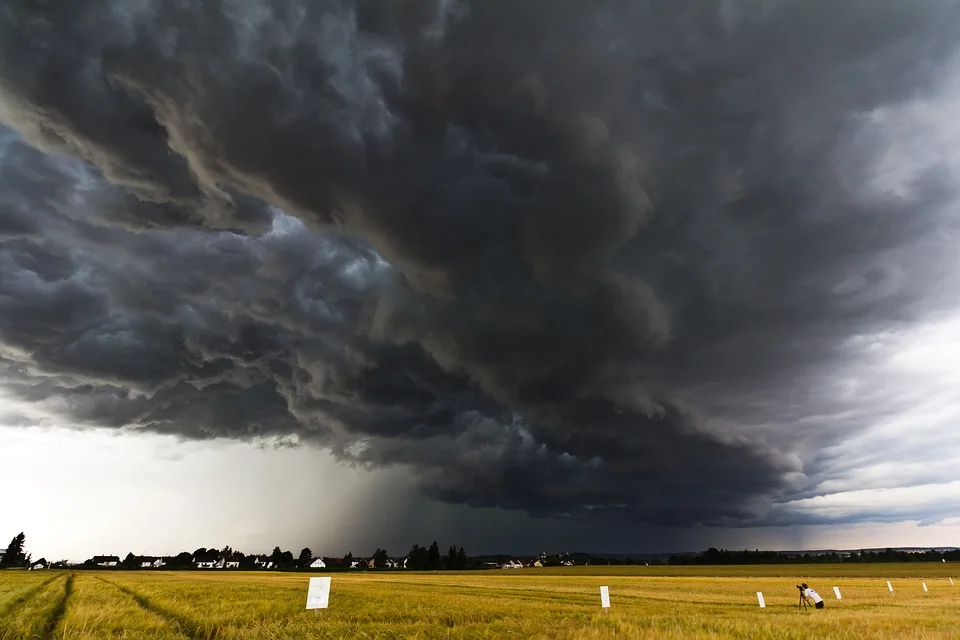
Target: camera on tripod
(807, 594)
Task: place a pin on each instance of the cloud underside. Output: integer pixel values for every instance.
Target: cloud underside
(579, 259)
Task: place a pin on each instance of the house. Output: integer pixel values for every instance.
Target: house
(567, 563)
(538, 564)
(151, 563)
(392, 564)
(356, 564)
(106, 561)
(40, 564)
(513, 564)
(205, 564)
(318, 564)
(233, 564)
(263, 562)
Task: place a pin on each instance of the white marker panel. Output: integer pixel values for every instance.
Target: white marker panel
(318, 595)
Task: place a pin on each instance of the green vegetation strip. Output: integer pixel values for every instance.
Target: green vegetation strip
(26, 596)
(184, 624)
(56, 615)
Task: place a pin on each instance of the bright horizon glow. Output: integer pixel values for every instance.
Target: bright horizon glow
(94, 492)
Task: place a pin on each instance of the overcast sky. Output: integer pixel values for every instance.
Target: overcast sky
(610, 276)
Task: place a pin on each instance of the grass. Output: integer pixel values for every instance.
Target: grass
(37, 607)
(647, 602)
(97, 609)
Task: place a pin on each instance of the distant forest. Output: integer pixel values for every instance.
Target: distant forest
(723, 556)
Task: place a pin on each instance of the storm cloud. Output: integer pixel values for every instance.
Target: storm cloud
(605, 258)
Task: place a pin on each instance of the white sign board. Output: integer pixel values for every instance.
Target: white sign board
(951, 582)
(924, 586)
(318, 595)
(605, 597)
(889, 586)
(836, 590)
(760, 600)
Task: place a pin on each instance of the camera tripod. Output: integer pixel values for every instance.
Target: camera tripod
(803, 601)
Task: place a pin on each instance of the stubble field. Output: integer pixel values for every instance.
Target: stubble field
(647, 602)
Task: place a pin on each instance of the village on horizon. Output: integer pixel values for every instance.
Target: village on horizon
(420, 558)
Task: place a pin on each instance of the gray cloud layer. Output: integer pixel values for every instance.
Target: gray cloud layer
(572, 258)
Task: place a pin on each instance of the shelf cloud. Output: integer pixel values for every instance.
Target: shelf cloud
(610, 259)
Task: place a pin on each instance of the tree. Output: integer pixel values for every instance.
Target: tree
(130, 562)
(306, 557)
(182, 559)
(451, 560)
(276, 557)
(461, 559)
(348, 559)
(15, 556)
(417, 558)
(286, 558)
(433, 557)
(380, 558)
(712, 556)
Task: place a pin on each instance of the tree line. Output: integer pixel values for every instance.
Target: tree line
(418, 558)
(722, 556)
(424, 559)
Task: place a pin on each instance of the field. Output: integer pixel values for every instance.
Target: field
(647, 602)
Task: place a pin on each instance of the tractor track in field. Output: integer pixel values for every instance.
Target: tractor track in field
(59, 611)
(25, 597)
(181, 622)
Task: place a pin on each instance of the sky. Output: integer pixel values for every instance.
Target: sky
(622, 276)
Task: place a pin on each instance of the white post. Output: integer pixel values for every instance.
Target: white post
(763, 604)
(605, 597)
(951, 582)
(924, 586)
(836, 590)
(889, 586)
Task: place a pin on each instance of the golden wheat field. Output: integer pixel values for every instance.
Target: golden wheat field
(646, 602)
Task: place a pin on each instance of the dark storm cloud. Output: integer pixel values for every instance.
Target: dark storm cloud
(592, 257)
